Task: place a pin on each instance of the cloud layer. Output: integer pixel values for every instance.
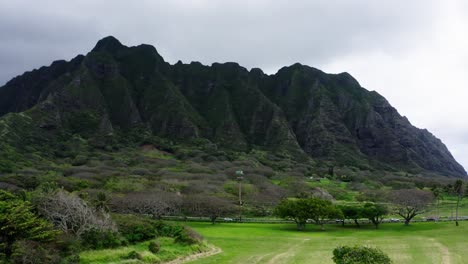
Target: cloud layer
(415, 53)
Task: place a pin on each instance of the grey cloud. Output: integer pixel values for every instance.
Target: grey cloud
(266, 34)
(261, 33)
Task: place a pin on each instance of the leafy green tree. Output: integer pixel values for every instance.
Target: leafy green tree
(375, 213)
(301, 210)
(294, 209)
(18, 222)
(320, 210)
(352, 212)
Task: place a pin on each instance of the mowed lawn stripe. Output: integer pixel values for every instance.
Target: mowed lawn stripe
(281, 243)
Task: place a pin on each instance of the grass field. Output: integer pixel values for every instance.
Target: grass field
(440, 242)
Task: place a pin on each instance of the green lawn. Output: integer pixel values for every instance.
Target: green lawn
(280, 243)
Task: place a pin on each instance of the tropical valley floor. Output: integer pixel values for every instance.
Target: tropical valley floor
(440, 242)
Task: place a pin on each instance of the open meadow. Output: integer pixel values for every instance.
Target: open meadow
(440, 242)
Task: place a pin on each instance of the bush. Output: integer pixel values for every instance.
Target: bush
(167, 230)
(359, 255)
(188, 236)
(154, 247)
(100, 239)
(79, 160)
(135, 229)
(134, 255)
(26, 251)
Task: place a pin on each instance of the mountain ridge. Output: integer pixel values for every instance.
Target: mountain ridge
(299, 111)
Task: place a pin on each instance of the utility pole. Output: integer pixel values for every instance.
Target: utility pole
(240, 177)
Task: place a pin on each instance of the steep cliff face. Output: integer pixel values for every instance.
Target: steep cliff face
(297, 111)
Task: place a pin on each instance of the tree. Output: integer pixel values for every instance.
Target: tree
(375, 213)
(213, 207)
(320, 210)
(437, 192)
(102, 202)
(352, 212)
(460, 192)
(18, 222)
(411, 202)
(294, 209)
(301, 210)
(156, 204)
(72, 214)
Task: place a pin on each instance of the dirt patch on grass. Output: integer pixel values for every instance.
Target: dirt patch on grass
(212, 251)
(443, 251)
(284, 257)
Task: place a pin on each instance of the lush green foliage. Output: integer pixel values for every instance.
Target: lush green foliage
(352, 212)
(359, 255)
(136, 229)
(186, 235)
(375, 213)
(19, 222)
(154, 247)
(301, 210)
(99, 239)
(169, 250)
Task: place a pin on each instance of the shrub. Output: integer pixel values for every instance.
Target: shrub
(100, 239)
(166, 229)
(359, 255)
(134, 255)
(73, 259)
(188, 236)
(135, 229)
(154, 247)
(26, 251)
(79, 160)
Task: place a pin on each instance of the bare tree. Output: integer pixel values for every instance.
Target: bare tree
(411, 202)
(156, 204)
(438, 195)
(72, 214)
(212, 207)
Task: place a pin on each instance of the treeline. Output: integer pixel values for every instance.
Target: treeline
(406, 203)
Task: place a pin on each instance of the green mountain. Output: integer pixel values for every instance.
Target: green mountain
(117, 94)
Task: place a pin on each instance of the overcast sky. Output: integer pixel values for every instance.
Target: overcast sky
(415, 53)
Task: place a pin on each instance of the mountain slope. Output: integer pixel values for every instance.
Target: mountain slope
(299, 112)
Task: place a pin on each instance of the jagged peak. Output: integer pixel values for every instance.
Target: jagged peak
(348, 79)
(108, 43)
(257, 71)
(298, 66)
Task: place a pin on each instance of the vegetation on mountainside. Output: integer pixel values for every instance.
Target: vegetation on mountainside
(106, 146)
(117, 93)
